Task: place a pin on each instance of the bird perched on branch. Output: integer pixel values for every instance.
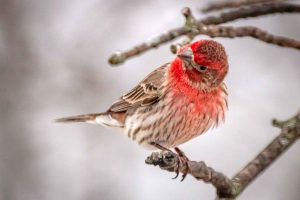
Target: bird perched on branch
(173, 104)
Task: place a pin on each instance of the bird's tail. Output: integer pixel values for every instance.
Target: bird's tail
(105, 119)
(79, 118)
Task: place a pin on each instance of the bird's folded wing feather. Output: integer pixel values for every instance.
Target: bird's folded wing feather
(145, 93)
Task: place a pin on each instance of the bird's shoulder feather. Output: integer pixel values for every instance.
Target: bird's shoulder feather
(147, 92)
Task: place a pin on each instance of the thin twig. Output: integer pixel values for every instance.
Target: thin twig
(230, 188)
(253, 11)
(248, 31)
(233, 4)
(232, 32)
(191, 25)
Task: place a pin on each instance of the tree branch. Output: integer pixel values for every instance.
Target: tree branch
(234, 4)
(248, 31)
(230, 188)
(252, 11)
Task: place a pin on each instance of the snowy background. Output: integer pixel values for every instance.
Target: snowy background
(53, 63)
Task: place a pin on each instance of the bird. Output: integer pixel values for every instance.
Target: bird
(173, 104)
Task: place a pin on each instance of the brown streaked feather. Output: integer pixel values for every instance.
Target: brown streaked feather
(145, 93)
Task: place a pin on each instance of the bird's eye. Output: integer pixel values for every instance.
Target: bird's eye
(201, 68)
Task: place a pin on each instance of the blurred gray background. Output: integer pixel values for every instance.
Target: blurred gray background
(53, 63)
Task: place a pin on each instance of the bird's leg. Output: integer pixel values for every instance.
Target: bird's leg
(160, 147)
(184, 160)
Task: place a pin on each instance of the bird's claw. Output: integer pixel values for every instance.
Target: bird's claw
(177, 173)
(182, 160)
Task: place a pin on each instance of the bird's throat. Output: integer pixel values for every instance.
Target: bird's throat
(180, 87)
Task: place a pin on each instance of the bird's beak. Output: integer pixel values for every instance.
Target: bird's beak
(186, 54)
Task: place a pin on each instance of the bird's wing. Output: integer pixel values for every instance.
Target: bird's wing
(145, 93)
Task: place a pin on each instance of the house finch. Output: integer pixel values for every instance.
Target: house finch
(173, 104)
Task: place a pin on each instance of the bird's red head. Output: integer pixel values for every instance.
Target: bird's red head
(204, 63)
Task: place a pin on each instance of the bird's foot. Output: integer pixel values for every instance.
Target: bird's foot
(183, 161)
